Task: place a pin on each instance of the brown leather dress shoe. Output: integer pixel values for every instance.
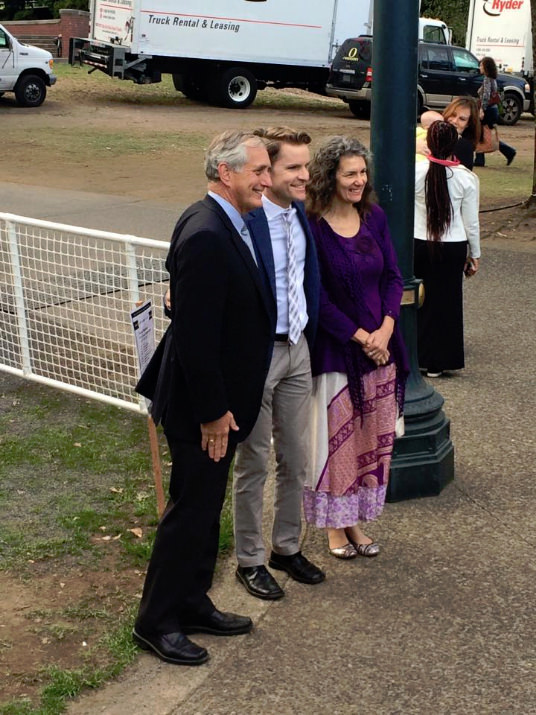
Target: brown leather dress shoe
(172, 647)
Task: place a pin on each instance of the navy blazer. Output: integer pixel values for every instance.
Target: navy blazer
(216, 352)
(260, 233)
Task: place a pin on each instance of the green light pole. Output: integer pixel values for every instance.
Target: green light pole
(423, 460)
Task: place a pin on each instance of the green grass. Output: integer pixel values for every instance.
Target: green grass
(65, 684)
(501, 186)
(72, 471)
(102, 88)
(62, 479)
(77, 145)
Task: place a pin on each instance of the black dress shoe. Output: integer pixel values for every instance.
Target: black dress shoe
(219, 624)
(298, 567)
(258, 581)
(171, 647)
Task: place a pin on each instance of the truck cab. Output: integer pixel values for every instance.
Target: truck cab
(25, 70)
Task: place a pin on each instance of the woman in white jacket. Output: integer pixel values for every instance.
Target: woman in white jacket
(447, 245)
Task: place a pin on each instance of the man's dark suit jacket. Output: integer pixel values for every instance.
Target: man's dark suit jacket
(260, 233)
(216, 352)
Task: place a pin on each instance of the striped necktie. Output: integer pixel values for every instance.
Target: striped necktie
(294, 328)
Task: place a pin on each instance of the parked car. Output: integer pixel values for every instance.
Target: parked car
(444, 72)
(25, 70)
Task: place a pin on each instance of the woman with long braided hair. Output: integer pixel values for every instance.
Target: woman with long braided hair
(447, 245)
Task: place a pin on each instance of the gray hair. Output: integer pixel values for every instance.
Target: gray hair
(323, 170)
(229, 148)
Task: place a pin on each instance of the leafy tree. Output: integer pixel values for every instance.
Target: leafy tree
(71, 5)
(11, 8)
(453, 12)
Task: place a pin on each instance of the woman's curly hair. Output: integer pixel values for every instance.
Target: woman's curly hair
(323, 169)
(489, 67)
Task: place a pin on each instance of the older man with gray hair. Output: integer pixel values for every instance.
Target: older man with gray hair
(206, 383)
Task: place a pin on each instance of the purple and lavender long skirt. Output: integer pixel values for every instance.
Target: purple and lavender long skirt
(350, 457)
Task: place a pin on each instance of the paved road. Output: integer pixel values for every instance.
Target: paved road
(443, 621)
(105, 212)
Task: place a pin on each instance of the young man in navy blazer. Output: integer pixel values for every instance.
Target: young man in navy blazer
(206, 383)
(280, 229)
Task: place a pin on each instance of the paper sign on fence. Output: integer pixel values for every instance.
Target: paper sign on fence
(143, 324)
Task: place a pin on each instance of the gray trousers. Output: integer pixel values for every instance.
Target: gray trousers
(285, 411)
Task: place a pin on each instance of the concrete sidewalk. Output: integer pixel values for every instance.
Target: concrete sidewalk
(442, 622)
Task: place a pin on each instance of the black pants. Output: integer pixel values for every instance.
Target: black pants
(440, 319)
(186, 546)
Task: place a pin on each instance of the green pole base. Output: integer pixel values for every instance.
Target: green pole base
(423, 459)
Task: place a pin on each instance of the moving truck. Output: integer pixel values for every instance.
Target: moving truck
(24, 70)
(220, 51)
(502, 29)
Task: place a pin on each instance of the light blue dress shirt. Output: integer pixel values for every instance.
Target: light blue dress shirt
(237, 221)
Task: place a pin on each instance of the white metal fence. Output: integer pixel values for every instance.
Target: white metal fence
(65, 299)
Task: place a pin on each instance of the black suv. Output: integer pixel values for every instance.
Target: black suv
(444, 72)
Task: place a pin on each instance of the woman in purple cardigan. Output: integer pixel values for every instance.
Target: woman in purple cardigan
(359, 360)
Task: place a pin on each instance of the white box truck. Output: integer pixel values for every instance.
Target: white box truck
(502, 29)
(219, 51)
(25, 70)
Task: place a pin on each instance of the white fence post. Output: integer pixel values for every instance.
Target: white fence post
(19, 299)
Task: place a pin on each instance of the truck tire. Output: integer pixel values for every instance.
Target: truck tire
(236, 88)
(191, 87)
(30, 90)
(513, 107)
(359, 108)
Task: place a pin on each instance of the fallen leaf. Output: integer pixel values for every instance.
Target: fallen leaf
(137, 532)
(115, 490)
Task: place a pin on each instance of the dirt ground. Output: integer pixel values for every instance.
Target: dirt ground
(172, 175)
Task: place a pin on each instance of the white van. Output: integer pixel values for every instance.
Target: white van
(25, 70)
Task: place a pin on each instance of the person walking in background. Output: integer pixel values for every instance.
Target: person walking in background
(287, 260)
(359, 361)
(205, 381)
(489, 108)
(463, 114)
(447, 243)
